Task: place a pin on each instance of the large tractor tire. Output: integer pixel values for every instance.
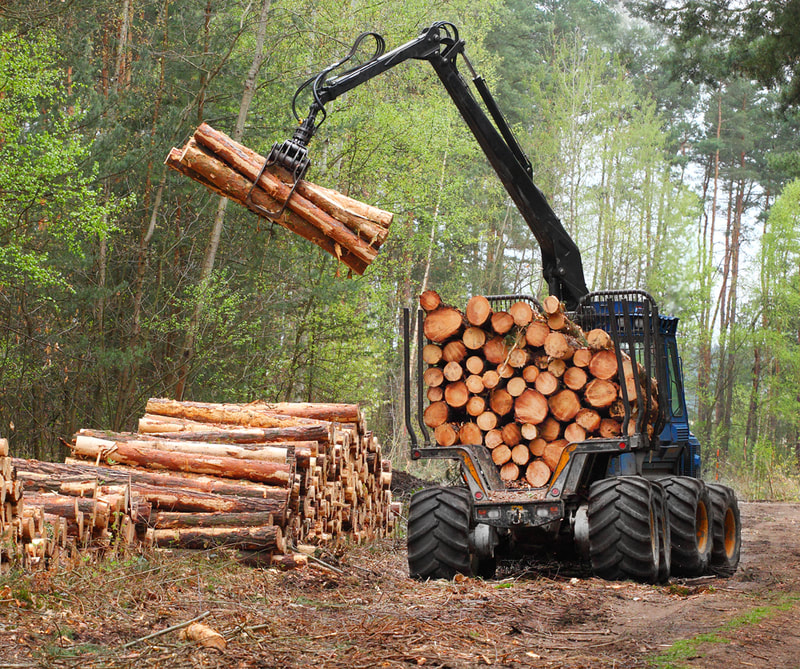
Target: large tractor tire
(690, 518)
(726, 529)
(664, 533)
(438, 533)
(624, 529)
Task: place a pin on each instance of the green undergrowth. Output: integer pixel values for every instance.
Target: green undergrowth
(676, 656)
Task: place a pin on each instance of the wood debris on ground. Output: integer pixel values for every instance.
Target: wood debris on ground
(266, 481)
(348, 229)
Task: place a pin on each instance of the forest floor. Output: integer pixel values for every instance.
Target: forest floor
(367, 613)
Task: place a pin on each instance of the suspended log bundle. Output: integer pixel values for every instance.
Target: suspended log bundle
(348, 229)
(258, 479)
(525, 384)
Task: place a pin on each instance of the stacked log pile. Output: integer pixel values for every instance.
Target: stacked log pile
(260, 479)
(346, 228)
(523, 383)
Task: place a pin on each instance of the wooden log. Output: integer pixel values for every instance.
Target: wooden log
(574, 432)
(474, 338)
(476, 405)
(546, 383)
(435, 394)
(518, 358)
(474, 384)
(599, 340)
(431, 353)
(456, 394)
(537, 446)
(491, 379)
(509, 471)
(530, 407)
(536, 333)
(184, 499)
(502, 322)
(268, 538)
(549, 429)
(512, 434)
(478, 310)
(433, 377)
(516, 386)
(487, 421)
(537, 473)
(195, 163)
(557, 345)
(610, 428)
(475, 364)
(453, 371)
(603, 365)
(120, 452)
(530, 373)
(557, 367)
(181, 428)
(173, 520)
(552, 305)
(261, 452)
(436, 414)
(529, 431)
(80, 472)
(522, 313)
(599, 393)
(552, 453)
(495, 350)
(574, 378)
(454, 351)
(442, 324)
(501, 402)
(520, 455)
(255, 414)
(493, 438)
(564, 405)
(470, 433)
(365, 220)
(505, 371)
(588, 419)
(430, 300)
(445, 435)
(582, 357)
(501, 454)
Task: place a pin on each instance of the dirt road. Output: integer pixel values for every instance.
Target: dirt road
(366, 613)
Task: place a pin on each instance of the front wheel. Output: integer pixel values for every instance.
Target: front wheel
(438, 533)
(726, 527)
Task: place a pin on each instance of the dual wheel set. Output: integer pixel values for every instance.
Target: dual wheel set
(630, 528)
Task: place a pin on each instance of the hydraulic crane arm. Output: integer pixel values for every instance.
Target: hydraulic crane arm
(440, 45)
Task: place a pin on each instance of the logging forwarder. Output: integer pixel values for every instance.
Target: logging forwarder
(634, 505)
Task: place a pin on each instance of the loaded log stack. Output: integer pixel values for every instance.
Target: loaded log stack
(523, 383)
(348, 229)
(258, 478)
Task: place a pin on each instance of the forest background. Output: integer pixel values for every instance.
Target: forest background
(664, 136)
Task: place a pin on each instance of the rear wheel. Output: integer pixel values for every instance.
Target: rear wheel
(438, 533)
(690, 517)
(726, 529)
(664, 534)
(624, 529)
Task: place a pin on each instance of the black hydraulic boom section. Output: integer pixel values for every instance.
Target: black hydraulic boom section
(440, 45)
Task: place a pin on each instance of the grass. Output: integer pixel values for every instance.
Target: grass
(682, 650)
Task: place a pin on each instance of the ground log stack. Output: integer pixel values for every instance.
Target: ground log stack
(346, 228)
(260, 479)
(523, 384)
